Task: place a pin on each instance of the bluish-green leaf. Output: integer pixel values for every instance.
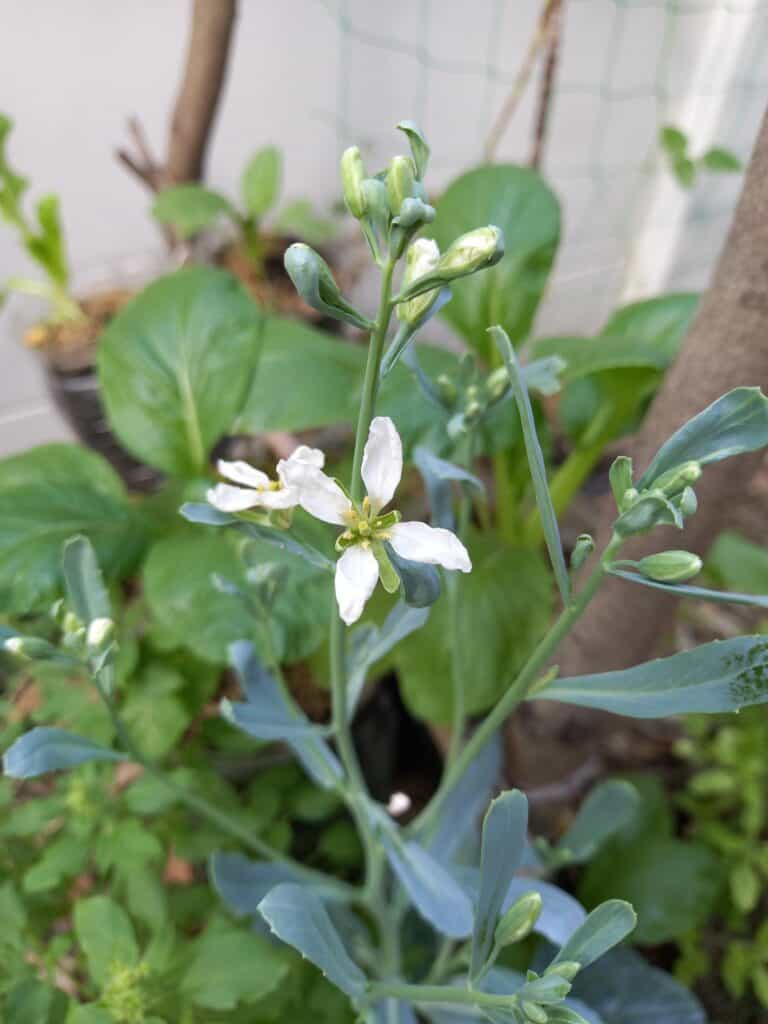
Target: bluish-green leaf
(394, 1011)
(298, 917)
(686, 590)
(505, 831)
(609, 806)
(721, 676)
(243, 883)
(734, 424)
(535, 461)
(438, 475)
(203, 514)
(176, 365)
(420, 582)
(269, 714)
(369, 643)
(46, 749)
(519, 202)
(85, 585)
(607, 926)
(434, 893)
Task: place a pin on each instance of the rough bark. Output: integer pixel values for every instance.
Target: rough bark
(727, 346)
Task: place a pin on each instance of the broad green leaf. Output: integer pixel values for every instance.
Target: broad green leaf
(499, 624)
(369, 643)
(519, 202)
(90, 1013)
(625, 989)
(688, 590)
(176, 365)
(106, 936)
(190, 209)
(83, 580)
(231, 965)
(158, 720)
(505, 833)
(260, 184)
(609, 806)
(31, 1001)
(432, 890)
(734, 424)
(660, 322)
(64, 857)
(739, 564)
(673, 140)
(722, 161)
(721, 676)
(48, 495)
(535, 462)
(268, 713)
(603, 929)
(45, 749)
(298, 917)
(306, 379)
(243, 883)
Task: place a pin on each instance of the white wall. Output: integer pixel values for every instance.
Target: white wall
(313, 75)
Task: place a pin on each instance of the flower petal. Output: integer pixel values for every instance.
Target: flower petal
(321, 496)
(356, 573)
(241, 473)
(291, 471)
(382, 462)
(421, 543)
(307, 456)
(226, 498)
(283, 497)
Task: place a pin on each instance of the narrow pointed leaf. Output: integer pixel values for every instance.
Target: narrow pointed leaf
(85, 585)
(284, 541)
(505, 831)
(369, 643)
(438, 475)
(46, 749)
(736, 423)
(701, 593)
(608, 808)
(270, 714)
(607, 926)
(200, 512)
(434, 893)
(298, 917)
(721, 676)
(535, 461)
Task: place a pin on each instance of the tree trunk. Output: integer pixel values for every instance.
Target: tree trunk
(727, 346)
(198, 99)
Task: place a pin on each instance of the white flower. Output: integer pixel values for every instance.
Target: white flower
(256, 490)
(366, 528)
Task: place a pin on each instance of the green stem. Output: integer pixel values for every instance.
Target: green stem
(371, 380)
(438, 994)
(520, 688)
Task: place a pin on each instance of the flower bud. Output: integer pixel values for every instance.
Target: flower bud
(533, 1013)
(30, 648)
(519, 920)
(447, 389)
(621, 480)
(473, 251)
(497, 383)
(670, 566)
(422, 257)
(100, 635)
(352, 179)
(70, 623)
(582, 549)
(568, 969)
(677, 479)
(687, 502)
(313, 280)
(414, 213)
(400, 182)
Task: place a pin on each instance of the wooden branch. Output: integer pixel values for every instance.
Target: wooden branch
(546, 94)
(536, 45)
(201, 87)
(140, 161)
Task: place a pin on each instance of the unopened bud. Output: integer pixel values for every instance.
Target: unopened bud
(352, 180)
(70, 623)
(30, 648)
(677, 479)
(473, 251)
(568, 969)
(519, 920)
(400, 182)
(100, 635)
(535, 1014)
(447, 389)
(582, 549)
(497, 383)
(422, 257)
(687, 502)
(620, 476)
(670, 566)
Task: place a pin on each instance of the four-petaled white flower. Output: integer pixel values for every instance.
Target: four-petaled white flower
(366, 528)
(256, 490)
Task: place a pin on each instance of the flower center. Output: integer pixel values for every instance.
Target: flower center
(363, 526)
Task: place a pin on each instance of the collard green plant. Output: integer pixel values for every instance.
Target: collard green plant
(42, 237)
(442, 919)
(192, 208)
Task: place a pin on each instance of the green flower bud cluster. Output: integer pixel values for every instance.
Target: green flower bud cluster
(669, 501)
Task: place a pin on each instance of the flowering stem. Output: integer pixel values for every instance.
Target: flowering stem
(439, 994)
(520, 688)
(371, 381)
